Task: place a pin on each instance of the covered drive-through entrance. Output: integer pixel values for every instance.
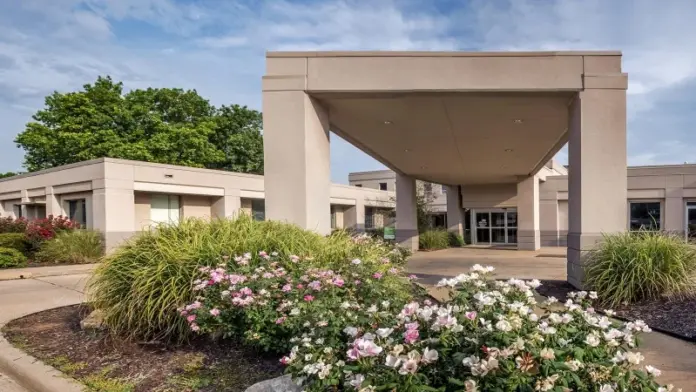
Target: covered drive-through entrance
(469, 120)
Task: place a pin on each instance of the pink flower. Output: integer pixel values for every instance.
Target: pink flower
(285, 360)
(410, 336)
(287, 288)
(215, 312)
(470, 315)
(263, 254)
(308, 298)
(315, 285)
(377, 275)
(281, 320)
(195, 327)
(300, 286)
(246, 291)
(191, 318)
(385, 260)
(267, 275)
(338, 282)
(393, 271)
(428, 302)
(412, 277)
(294, 258)
(357, 282)
(235, 279)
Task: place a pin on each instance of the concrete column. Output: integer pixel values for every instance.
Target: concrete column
(528, 235)
(548, 222)
(296, 159)
(406, 212)
(227, 206)
(53, 206)
(674, 210)
(354, 216)
(23, 207)
(113, 214)
(597, 173)
(455, 214)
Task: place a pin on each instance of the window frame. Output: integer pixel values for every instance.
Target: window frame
(383, 184)
(69, 203)
(660, 222)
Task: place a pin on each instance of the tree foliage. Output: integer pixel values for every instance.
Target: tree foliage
(8, 174)
(164, 125)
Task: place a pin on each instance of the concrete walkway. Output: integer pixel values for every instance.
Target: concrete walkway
(51, 270)
(547, 263)
(22, 297)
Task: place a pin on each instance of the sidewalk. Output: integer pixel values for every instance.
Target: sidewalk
(52, 270)
(22, 297)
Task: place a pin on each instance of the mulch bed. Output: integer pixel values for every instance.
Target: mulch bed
(676, 317)
(106, 364)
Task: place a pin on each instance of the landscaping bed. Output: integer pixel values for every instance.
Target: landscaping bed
(111, 365)
(674, 316)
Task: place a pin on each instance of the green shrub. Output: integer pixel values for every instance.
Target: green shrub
(142, 283)
(455, 240)
(636, 266)
(433, 239)
(72, 247)
(17, 241)
(12, 258)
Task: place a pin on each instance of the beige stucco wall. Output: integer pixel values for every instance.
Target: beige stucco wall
(489, 196)
(195, 206)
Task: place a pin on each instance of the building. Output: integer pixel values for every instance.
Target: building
(658, 198)
(120, 197)
(476, 121)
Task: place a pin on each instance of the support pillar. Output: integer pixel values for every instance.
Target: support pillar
(406, 212)
(52, 204)
(597, 172)
(548, 221)
(528, 235)
(674, 213)
(455, 214)
(296, 158)
(354, 216)
(113, 214)
(227, 206)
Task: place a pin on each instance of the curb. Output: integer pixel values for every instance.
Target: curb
(41, 272)
(32, 374)
(655, 329)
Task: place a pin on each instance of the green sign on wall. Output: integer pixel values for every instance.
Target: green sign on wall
(389, 233)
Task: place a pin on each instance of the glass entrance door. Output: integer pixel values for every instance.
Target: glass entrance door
(691, 221)
(495, 226)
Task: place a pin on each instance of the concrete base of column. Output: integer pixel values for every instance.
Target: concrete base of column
(579, 245)
(529, 240)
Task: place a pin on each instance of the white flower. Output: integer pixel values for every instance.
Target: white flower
(409, 366)
(563, 342)
(384, 332)
(606, 388)
(392, 361)
(653, 370)
(308, 357)
(340, 363)
(547, 353)
(328, 350)
(534, 283)
(593, 295)
(634, 358)
(356, 261)
(470, 361)
(609, 312)
(357, 380)
(294, 311)
(324, 372)
(503, 325)
(398, 349)
(592, 340)
(547, 384)
(345, 305)
(430, 355)
(574, 365)
(385, 304)
(372, 309)
(470, 386)
(350, 331)
(566, 318)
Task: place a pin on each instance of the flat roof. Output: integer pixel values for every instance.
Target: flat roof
(386, 53)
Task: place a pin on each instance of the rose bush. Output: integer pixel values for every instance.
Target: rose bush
(266, 299)
(489, 336)
(40, 230)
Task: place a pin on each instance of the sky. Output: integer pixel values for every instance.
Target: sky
(217, 47)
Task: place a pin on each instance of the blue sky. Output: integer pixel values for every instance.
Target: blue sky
(217, 47)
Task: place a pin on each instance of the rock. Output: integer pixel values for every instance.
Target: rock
(280, 384)
(95, 320)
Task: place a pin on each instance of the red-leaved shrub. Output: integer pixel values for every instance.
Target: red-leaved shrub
(40, 230)
(12, 225)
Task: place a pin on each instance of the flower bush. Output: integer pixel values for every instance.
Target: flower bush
(12, 225)
(266, 299)
(40, 230)
(489, 336)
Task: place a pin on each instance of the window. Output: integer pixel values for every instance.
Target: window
(17, 210)
(369, 217)
(77, 211)
(428, 187)
(333, 217)
(644, 215)
(358, 185)
(164, 208)
(382, 186)
(258, 209)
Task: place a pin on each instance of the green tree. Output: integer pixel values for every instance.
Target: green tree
(8, 174)
(164, 125)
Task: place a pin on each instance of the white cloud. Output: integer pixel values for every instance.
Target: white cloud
(217, 47)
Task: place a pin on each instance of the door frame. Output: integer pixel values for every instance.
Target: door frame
(475, 228)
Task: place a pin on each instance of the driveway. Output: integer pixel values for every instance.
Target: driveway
(546, 264)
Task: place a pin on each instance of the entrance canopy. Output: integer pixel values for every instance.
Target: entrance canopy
(454, 118)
